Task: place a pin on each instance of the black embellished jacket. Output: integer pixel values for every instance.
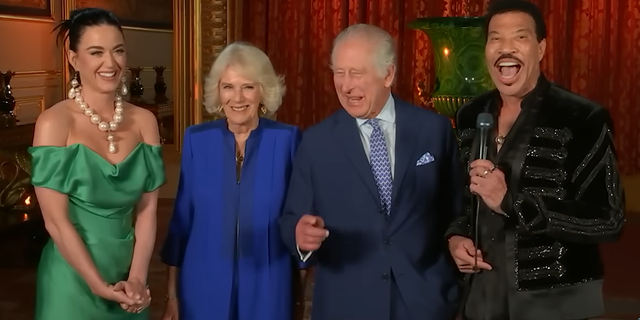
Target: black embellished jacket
(564, 197)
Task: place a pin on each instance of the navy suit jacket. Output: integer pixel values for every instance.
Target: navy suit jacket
(370, 261)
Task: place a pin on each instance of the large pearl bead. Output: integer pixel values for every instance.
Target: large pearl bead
(113, 126)
(119, 110)
(110, 137)
(88, 112)
(95, 119)
(79, 99)
(118, 98)
(113, 148)
(103, 126)
(72, 94)
(83, 105)
(119, 104)
(117, 118)
(74, 83)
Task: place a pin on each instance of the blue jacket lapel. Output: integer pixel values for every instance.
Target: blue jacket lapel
(348, 136)
(406, 134)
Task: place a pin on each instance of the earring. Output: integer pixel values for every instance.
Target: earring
(75, 86)
(220, 109)
(123, 89)
(263, 109)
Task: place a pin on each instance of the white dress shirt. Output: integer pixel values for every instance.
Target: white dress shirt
(387, 123)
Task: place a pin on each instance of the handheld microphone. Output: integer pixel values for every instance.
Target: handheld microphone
(484, 123)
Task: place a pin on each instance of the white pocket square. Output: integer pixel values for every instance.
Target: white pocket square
(424, 159)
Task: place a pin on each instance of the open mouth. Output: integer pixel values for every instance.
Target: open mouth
(354, 100)
(240, 108)
(107, 75)
(508, 69)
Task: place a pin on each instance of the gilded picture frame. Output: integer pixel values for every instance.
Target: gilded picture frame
(30, 10)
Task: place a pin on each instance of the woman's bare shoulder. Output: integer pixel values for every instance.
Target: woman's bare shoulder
(139, 113)
(146, 122)
(52, 125)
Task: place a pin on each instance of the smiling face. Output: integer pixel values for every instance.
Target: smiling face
(361, 89)
(240, 97)
(100, 58)
(513, 53)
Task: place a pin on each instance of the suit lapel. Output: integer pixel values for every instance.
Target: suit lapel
(405, 134)
(346, 133)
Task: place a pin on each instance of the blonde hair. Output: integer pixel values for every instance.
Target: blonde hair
(253, 64)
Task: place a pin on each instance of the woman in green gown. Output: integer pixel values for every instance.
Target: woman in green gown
(96, 162)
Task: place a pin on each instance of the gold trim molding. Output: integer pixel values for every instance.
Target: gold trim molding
(150, 69)
(36, 73)
(43, 86)
(181, 36)
(21, 102)
(27, 19)
(40, 99)
(67, 7)
(50, 19)
(234, 20)
(200, 32)
(214, 39)
(147, 29)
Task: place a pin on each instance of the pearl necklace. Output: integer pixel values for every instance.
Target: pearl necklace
(103, 126)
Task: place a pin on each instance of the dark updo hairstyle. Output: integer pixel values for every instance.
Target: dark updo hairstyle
(79, 20)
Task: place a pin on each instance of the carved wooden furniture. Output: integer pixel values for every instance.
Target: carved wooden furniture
(161, 107)
(7, 101)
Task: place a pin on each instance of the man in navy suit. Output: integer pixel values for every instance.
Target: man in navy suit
(372, 191)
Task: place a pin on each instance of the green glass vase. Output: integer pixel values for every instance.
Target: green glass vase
(461, 74)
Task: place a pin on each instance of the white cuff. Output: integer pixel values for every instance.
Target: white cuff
(303, 257)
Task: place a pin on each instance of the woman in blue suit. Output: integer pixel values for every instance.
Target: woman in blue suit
(226, 259)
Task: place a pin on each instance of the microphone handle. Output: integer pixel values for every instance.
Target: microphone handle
(484, 137)
(482, 154)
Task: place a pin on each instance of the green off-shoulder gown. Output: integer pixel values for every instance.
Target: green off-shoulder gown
(102, 197)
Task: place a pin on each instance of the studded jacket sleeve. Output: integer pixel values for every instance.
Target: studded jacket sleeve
(588, 205)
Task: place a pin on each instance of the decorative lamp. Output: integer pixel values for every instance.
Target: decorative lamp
(461, 74)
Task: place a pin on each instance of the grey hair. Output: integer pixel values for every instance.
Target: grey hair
(385, 52)
(255, 65)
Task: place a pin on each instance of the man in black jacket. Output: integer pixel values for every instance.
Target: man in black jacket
(548, 193)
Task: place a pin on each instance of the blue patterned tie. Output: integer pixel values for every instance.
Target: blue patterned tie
(380, 165)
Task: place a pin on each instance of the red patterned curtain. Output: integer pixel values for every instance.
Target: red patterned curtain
(593, 49)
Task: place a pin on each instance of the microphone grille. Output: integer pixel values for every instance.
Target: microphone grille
(484, 120)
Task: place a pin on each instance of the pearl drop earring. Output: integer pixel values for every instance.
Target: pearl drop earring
(123, 89)
(74, 86)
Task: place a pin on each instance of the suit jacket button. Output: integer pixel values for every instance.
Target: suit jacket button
(385, 276)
